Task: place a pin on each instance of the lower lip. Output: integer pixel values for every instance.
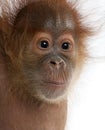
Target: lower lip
(56, 84)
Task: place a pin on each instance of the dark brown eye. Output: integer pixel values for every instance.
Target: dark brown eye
(66, 46)
(44, 44)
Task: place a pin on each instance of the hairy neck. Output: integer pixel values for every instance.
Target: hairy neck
(14, 115)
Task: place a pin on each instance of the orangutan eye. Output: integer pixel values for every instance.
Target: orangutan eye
(44, 44)
(66, 45)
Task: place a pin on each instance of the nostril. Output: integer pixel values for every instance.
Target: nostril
(56, 62)
(52, 62)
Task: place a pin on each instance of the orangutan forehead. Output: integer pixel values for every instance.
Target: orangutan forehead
(61, 21)
(44, 16)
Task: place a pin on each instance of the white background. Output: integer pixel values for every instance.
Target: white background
(86, 109)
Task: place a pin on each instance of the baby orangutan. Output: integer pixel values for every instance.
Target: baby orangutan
(41, 47)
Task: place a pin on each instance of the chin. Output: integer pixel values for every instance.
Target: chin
(52, 93)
